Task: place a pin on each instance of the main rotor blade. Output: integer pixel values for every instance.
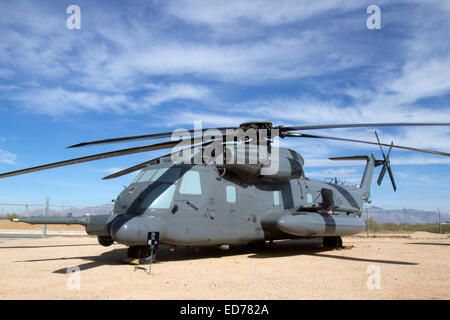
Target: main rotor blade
(151, 147)
(144, 164)
(282, 129)
(132, 169)
(360, 125)
(143, 137)
(303, 135)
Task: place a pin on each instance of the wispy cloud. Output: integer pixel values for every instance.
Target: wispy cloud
(131, 64)
(7, 157)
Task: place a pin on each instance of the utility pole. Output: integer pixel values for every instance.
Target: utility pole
(44, 226)
(439, 215)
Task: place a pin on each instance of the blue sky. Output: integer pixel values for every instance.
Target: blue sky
(150, 66)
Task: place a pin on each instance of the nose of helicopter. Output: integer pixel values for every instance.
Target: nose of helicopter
(133, 230)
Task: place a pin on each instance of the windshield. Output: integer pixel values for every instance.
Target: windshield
(169, 175)
(156, 188)
(160, 197)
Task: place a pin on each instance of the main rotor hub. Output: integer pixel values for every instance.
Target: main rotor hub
(256, 125)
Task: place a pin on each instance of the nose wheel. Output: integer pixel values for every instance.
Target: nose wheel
(138, 252)
(332, 242)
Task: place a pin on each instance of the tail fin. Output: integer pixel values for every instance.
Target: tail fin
(366, 180)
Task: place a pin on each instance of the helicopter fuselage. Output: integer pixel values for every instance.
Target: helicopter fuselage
(206, 204)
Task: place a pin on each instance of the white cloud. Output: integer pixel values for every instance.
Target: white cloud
(186, 119)
(268, 12)
(265, 12)
(120, 53)
(59, 101)
(7, 157)
(178, 91)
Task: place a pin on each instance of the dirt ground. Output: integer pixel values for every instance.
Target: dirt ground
(375, 268)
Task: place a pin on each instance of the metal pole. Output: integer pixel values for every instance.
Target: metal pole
(404, 217)
(44, 226)
(151, 260)
(367, 209)
(61, 227)
(440, 227)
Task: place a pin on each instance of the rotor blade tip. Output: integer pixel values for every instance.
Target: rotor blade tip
(75, 145)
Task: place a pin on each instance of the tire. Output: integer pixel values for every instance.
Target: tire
(138, 252)
(332, 242)
(105, 241)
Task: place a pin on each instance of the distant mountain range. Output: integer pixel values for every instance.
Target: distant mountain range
(378, 214)
(412, 216)
(76, 212)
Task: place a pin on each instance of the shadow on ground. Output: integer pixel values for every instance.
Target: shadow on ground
(430, 244)
(303, 247)
(50, 246)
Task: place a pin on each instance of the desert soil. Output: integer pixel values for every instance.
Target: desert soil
(413, 268)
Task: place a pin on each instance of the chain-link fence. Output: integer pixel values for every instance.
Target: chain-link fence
(404, 220)
(377, 220)
(17, 209)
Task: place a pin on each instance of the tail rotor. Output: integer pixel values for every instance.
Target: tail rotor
(386, 164)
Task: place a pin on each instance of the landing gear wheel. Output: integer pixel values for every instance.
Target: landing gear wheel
(332, 242)
(105, 241)
(258, 244)
(138, 252)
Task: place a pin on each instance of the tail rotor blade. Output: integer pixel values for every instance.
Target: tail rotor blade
(381, 176)
(390, 148)
(392, 177)
(379, 143)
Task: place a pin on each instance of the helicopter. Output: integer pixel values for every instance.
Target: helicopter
(229, 185)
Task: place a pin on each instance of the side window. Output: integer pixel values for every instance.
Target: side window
(276, 198)
(190, 184)
(231, 194)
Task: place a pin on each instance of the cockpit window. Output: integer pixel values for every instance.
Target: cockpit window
(148, 174)
(160, 197)
(139, 175)
(169, 175)
(191, 183)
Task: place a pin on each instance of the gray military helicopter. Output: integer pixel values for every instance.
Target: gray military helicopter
(202, 201)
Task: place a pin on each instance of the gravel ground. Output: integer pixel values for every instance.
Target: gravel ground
(394, 268)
